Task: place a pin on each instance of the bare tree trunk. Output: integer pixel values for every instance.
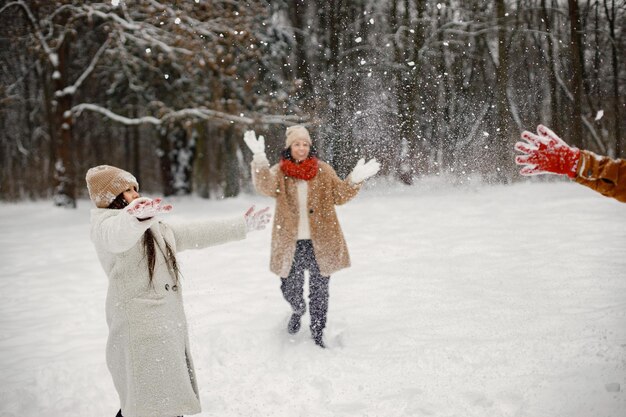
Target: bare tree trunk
(165, 148)
(417, 157)
(177, 155)
(201, 166)
(232, 172)
(503, 122)
(554, 120)
(447, 142)
(65, 190)
(575, 49)
(135, 146)
(610, 15)
(297, 13)
(404, 88)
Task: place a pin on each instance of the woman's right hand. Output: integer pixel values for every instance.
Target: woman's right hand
(257, 146)
(144, 208)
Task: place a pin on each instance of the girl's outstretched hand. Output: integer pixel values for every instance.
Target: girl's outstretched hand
(257, 220)
(145, 208)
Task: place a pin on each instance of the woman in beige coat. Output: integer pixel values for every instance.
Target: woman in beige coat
(147, 350)
(306, 234)
(545, 152)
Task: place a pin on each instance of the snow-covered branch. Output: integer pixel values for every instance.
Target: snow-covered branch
(146, 35)
(206, 114)
(72, 89)
(197, 113)
(513, 109)
(208, 29)
(475, 126)
(78, 109)
(52, 56)
(601, 145)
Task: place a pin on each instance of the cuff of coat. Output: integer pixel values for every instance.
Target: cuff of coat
(260, 160)
(354, 183)
(594, 167)
(138, 225)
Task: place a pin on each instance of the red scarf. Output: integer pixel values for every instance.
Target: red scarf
(304, 170)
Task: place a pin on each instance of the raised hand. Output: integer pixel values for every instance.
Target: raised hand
(257, 220)
(363, 171)
(256, 145)
(546, 153)
(144, 208)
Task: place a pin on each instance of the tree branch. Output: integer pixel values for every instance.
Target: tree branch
(52, 56)
(198, 113)
(70, 90)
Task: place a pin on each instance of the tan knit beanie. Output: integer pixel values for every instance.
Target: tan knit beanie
(295, 133)
(105, 182)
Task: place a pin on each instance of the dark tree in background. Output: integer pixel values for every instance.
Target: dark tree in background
(166, 89)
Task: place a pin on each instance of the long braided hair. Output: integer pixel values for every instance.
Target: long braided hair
(149, 244)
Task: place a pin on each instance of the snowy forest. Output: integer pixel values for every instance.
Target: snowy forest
(167, 89)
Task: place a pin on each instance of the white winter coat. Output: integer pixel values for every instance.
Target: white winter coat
(148, 351)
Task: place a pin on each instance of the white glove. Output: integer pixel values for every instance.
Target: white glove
(145, 208)
(257, 220)
(256, 146)
(363, 171)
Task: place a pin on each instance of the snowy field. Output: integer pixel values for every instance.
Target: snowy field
(481, 301)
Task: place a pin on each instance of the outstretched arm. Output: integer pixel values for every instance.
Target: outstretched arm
(121, 232)
(205, 233)
(602, 174)
(263, 177)
(346, 190)
(342, 190)
(547, 153)
(202, 234)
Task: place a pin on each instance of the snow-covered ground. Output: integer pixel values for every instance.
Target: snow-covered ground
(473, 301)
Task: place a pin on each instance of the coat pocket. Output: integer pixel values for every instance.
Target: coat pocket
(149, 301)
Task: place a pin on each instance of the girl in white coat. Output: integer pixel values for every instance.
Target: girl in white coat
(148, 351)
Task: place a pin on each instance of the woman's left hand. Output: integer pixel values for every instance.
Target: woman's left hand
(257, 220)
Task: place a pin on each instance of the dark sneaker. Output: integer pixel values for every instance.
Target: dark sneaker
(294, 324)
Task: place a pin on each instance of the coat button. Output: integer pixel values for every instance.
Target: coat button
(311, 211)
(174, 287)
(167, 287)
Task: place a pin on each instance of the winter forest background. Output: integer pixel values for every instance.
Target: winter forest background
(166, 89)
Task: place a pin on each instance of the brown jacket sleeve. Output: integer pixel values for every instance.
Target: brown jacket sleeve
(264, 178)
(343, 190)
(602, 174)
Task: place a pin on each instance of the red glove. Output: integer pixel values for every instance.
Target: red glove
(546, 153)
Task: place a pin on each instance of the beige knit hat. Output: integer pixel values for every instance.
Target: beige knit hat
(105, 183)
(295, 133)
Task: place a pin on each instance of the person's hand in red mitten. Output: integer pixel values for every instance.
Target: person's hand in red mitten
(546, 153)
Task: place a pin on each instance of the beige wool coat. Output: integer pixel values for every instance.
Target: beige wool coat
(602, 174)
(325, 191)
(147, 350)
